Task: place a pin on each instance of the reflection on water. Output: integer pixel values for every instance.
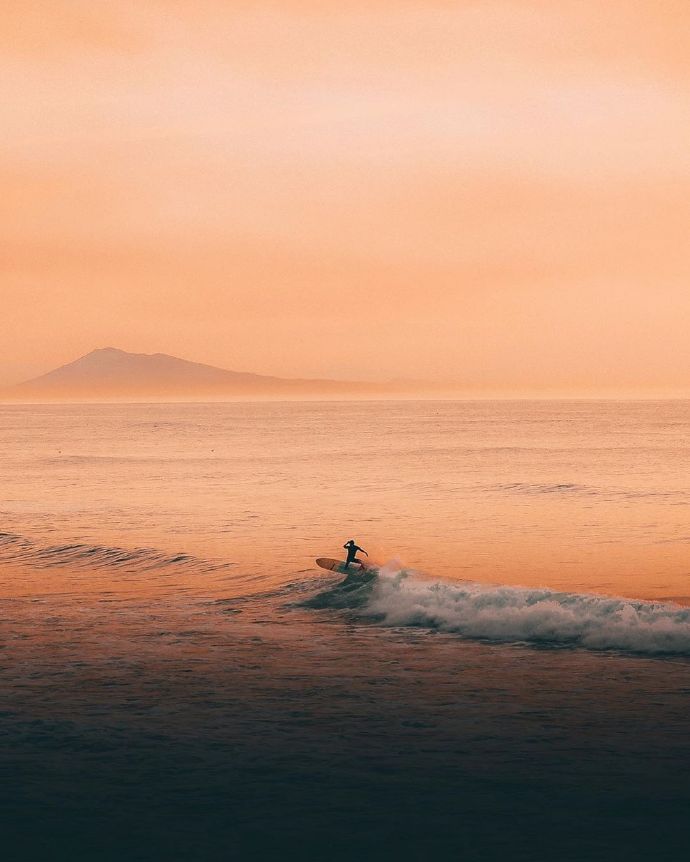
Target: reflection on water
(179, 682)
(573, 495)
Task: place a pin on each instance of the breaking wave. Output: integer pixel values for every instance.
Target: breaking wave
(18, 549)
(514, 614)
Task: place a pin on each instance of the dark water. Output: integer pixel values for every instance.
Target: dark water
(254, 727)
(171, 694)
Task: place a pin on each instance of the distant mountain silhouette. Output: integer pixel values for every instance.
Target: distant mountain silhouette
(109, 373)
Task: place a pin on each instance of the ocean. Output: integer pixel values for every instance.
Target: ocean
(181, 682)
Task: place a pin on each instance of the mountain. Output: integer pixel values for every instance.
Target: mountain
(109, 373)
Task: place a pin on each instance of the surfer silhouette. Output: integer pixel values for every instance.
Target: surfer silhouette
(352, 549)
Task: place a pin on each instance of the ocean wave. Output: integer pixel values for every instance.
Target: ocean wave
(677, 496)
(18, 549)
(545, 488)
(513, 614)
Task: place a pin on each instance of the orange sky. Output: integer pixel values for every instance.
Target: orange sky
(495, 192)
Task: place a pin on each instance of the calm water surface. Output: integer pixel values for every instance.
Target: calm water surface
(180, 682)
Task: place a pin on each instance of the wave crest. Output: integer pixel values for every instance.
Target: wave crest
(516, 614)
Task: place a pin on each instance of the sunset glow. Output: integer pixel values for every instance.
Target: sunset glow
(344, 430)
(489, 193)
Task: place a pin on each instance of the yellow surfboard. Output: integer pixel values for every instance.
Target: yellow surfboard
(339, 566)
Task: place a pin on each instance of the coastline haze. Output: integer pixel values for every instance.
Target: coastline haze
(110, 373)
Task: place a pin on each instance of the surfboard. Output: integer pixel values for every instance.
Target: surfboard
(339, 565)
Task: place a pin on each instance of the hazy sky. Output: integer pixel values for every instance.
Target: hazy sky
(496, 192)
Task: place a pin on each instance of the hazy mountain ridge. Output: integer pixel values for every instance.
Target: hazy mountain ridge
(109, 373)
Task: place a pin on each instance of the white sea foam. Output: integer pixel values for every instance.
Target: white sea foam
(527, 614)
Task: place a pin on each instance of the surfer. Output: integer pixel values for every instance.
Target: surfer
(352, 549)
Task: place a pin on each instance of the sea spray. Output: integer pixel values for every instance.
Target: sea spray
(513, 614)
